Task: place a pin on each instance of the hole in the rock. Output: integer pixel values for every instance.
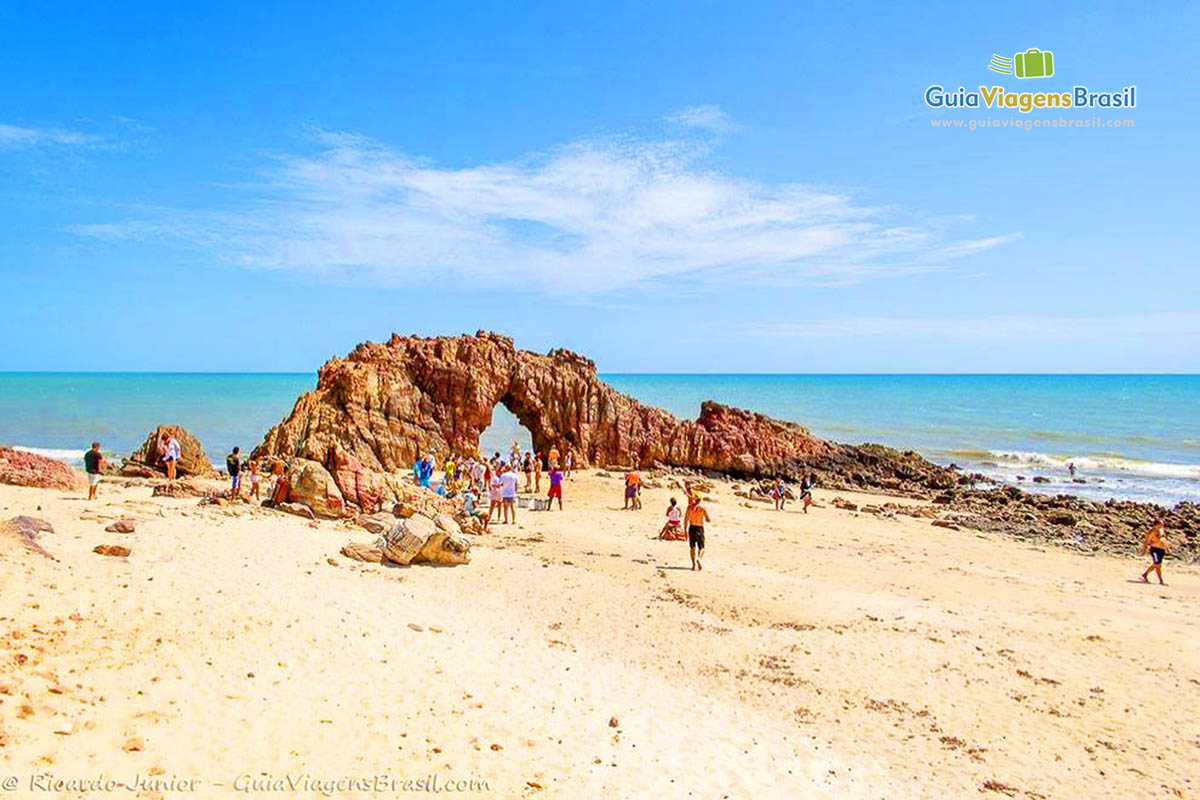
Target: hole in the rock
(502, 433)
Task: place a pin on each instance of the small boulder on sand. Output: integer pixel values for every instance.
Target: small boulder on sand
(114, 550)
(123, 525)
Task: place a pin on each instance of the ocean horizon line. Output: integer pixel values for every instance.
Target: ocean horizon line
(20, 372)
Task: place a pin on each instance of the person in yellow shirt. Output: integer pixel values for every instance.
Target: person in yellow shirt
(697, 515)
(633, 490)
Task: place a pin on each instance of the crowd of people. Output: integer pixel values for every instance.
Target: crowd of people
(472, 478)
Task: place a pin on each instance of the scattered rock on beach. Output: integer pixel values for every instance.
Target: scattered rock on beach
(299, 509)
(123, 525)
(115, 550)
(183, 488)
(377, 524)
(358, 551)
(23, 532)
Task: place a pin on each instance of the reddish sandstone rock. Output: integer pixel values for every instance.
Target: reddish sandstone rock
(384, 404)
(311, 484)
(192, 460)
(19, 468)
(115, 550)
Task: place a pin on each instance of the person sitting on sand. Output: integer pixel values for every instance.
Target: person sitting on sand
(254, 479)
(472, 509)
(672, 530)
(233, 463)
(508, 491)
(93, 462)
(633, 490)
(1156, 545)
(556, 479)
(697, 515)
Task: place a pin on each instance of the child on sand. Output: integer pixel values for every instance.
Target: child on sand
(672, 530)
(254, 479)
(556, 478)
(1156, 545)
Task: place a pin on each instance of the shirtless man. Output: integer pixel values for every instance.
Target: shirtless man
(1157, 546)
(697, 515)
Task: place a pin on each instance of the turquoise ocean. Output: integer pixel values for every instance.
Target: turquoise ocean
(1129, 436)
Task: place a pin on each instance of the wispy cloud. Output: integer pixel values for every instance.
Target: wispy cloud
(13, 137)
(590, 216)
(991, 328)
(707, 117)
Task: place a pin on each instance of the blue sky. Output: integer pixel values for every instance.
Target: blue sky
(666, 187)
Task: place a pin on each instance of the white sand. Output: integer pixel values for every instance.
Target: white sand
(822, 655)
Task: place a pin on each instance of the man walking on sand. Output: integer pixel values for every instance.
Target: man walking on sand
(697, 515)
(1156, 545)
(93, 462)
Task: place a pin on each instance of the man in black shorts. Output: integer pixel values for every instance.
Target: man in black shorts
(697, 515)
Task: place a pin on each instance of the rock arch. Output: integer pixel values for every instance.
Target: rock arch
(385, 403)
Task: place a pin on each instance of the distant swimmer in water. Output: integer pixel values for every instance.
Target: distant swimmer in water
(1156, 545)
(1071, 469)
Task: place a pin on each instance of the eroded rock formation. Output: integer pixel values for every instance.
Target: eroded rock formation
(192, 460)
(19, 468)
(381, 406)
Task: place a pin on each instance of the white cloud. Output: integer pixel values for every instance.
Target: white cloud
(591, 216)
(13, 137)
(707, 117)
(1117, 327)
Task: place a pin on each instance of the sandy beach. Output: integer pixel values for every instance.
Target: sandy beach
(819, 655)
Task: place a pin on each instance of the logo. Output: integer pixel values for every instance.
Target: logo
(1033, 63)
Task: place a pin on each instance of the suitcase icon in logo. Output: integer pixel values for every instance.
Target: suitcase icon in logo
(1034, 63)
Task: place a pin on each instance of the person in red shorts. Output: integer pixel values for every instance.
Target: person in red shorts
(556, 478)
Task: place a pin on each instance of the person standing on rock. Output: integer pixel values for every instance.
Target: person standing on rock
(508, 491)
(1156, 545)
(93, 462)
(697, 515)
